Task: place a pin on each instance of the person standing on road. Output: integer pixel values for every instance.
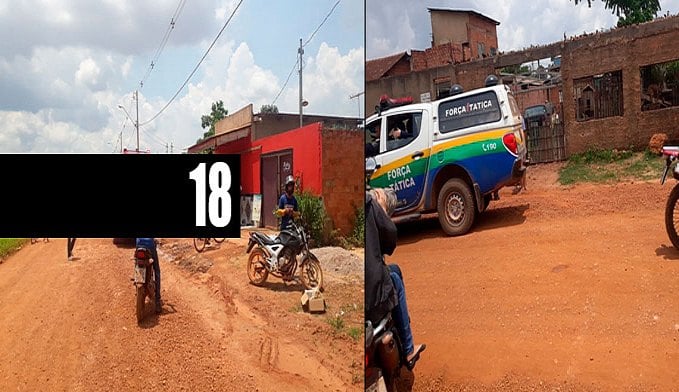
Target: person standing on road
(69, 248)
(150, 244)
(287, 204)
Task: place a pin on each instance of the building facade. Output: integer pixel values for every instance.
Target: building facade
(324, 157)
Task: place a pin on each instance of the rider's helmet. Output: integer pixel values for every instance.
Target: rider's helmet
(491, 80)
(455, 89)
(289, 180)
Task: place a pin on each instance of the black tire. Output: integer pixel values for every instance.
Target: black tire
(311, 274)
(199, 244)
(219, 240)
(456, 207)
(486, 201)
(141, 301)
(257, 272)
(672, 216)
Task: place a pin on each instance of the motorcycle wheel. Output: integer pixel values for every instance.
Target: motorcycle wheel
(402, 382)
(257, 272)
(311, 273)
(199, 244)
(219, 240)
(672, 216)
(141, 301)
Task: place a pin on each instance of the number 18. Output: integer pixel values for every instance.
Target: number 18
(219, 204)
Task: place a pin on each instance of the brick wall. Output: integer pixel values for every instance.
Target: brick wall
(537, 96)
(480, 30)
(627, 50)
(342, 168)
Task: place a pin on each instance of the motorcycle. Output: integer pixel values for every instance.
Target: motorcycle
(671, 154)
(386, 363)
(144, 280)
(281, 255)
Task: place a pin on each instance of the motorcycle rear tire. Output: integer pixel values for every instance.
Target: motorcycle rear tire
(402, 382)
(141, 301)
(219, 240)
(199, 244)
(257, 272)
(311, 274)
(672, 210)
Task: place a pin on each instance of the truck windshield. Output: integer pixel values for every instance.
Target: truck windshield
(536, 111)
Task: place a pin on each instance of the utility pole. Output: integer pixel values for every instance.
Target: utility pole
(121, 142)
(301, 52)
(136, 124)
(171, 148)
(359, 101)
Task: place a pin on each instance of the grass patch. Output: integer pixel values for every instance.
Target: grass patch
(606, 166)
(354, 332)
(337, 323)
(296, 308)
(9, 245)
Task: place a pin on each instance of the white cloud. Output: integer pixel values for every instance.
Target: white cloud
(232, 75)
(70, 64)
(87, 73)
(225, 9)
(39, 132)
(125, 68)
(522, 23)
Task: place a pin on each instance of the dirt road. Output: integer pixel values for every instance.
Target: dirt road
(554, 289)
(72, 327)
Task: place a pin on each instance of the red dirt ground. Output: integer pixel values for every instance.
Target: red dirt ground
(554, 289)
(72, 327)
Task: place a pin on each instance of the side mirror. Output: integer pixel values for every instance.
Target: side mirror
(370, 165)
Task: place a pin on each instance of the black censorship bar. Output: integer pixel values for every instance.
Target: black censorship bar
(139, 195)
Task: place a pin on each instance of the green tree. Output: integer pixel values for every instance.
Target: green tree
(630, 12)
(517, 69)
(268, 109)
(208, 121)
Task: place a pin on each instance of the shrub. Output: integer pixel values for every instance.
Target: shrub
(316, 219)
(358, 234)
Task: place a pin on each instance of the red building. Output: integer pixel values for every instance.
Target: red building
(325, 156)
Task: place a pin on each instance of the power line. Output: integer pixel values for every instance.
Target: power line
(286, 82)
(156, 137)
(305, 44)
(323, 22)
(197, 65)
(163, 42)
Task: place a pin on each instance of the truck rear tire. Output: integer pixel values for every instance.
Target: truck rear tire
(456, 207)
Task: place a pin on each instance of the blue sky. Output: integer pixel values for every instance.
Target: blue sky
(70, 63)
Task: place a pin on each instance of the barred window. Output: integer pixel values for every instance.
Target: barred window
(660, 85)
(598, 96)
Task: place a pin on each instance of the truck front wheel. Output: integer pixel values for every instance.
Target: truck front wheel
(456, 207)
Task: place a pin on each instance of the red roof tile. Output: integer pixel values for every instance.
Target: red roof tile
(375, 69)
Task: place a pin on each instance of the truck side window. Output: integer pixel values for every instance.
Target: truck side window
(372, 138)
(402, 129)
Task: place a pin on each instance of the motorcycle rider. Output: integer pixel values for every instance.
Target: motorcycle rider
(287, 204)
(385, 291)
(150, 244)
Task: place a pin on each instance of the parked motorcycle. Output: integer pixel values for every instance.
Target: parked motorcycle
(281, 255)
(144, 280)
(386, 364)
(671, 154)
